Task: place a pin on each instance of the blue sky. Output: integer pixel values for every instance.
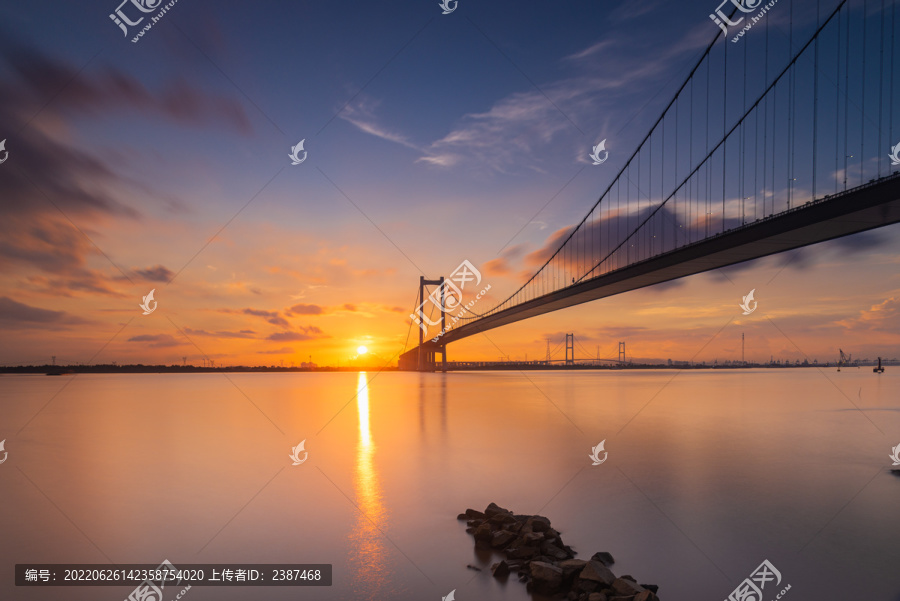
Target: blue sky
(448, 133)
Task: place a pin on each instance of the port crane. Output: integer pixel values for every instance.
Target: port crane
(845, 359)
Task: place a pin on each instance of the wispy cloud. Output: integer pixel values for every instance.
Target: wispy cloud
(305, 309)
(220, 333)
(883, 317)
(273, 317)
(518, 129)
(157, 273)
(305, 333)
(14, 314)
(285, 350)
(157, 340)
(361, 113)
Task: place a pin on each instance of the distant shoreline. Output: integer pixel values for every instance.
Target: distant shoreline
(468, 366)
(171, 369)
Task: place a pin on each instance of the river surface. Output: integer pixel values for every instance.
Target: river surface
(708, 473)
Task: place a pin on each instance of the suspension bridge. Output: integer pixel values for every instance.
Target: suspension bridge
(778, 139)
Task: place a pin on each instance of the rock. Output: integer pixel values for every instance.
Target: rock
(547, 566)
(586, 587)
(515, 527)
(571, 566)
(483, 533)
(537, 523)
(502, 519)
(501, 539)
(521, 552)
(556, 540)
(626, 588)
(500, 570)
(533, 539)
(553, 551)
(597, 572)
(493, 509)
(547, 578)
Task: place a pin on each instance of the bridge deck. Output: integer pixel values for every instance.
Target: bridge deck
(864, 208)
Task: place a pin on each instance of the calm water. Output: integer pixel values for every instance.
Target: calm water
(716, 473)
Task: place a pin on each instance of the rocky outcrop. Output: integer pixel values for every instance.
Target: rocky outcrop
(545, 563)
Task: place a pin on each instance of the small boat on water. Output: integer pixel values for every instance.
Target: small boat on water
(879, 369)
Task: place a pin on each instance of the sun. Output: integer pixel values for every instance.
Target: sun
(361, 350)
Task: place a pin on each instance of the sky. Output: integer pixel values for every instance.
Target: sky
(163, 165)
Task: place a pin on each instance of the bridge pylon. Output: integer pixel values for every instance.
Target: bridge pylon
(425, 358)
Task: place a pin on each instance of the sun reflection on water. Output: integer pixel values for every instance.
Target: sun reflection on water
(368, 556)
